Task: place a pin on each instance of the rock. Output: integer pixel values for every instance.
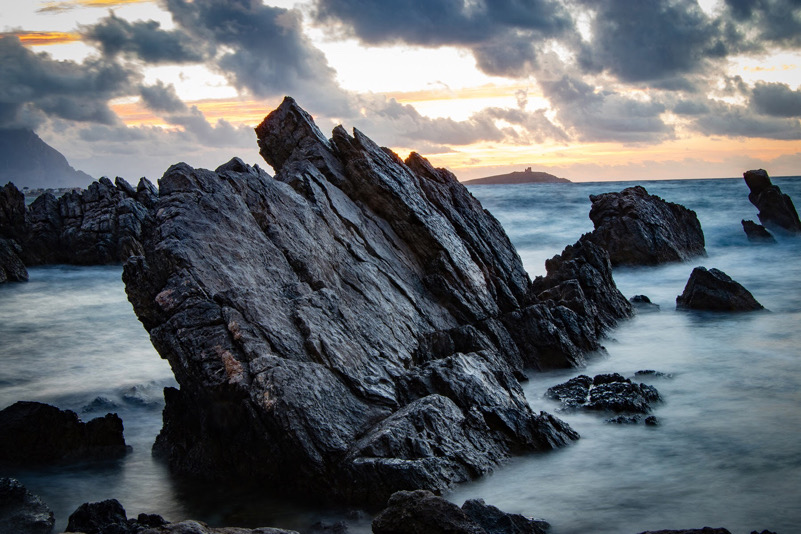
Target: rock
(197, 527)
(757, 232)
(605, 392)
(714, 290)
(495, 521)
(355, 325)
(776, 210)
(653, 374)
(422, 512)
(22, 512)
(11, 267)
(100, 225)
(705, 530)
(109, 517)
(33, 433)
(643, 304)
(637, 228)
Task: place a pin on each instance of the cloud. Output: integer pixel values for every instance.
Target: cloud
(35, 86)
(160, 97)
(776, 100)
(740, 121)
(262, 49)
(777, 22)
(144, 40)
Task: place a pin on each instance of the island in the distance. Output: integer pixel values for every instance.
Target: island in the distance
(517, 177)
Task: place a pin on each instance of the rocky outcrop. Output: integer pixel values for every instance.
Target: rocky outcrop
(605, 392)
(714, 290)
(422, 512)
(637, 228)
(757, 232)
(198, 527)
(100, 225)
(22, 512)
(353, 326)
(109, 517)
(776, 210)
(11, 267)
(32, 433)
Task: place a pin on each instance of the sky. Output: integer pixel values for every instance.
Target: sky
(589, 90)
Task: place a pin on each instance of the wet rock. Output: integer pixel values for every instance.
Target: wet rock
(33, 433)
(643, 304)
(605, 392)
(198, 527)
(650, 373)
(637, 228)
(354, 325)
(12, 212)
(109, 517)
(776, 210)
(11, 267)
(714, 290)
(757, 232)
(705, 530)
(22, 512)
(422, 512)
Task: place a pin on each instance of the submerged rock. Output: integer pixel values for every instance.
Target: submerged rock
(643, 304)
(422, 512)
(353, 326)
(757, 232)
(22, 512)
(605, 392)
(714, 290)
(776, 210)
(637, 228)
(33, 433)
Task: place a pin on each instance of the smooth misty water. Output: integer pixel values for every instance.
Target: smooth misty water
(727, 453)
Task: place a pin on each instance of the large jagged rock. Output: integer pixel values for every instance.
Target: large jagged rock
(353, 326)
(22, 512)
(714, 290)
(100, 225)
(32, 433)
(637, 228)
(776, 210)
(109, 517)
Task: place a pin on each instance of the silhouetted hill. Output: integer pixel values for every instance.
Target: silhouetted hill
(519, 177)
(28, 161)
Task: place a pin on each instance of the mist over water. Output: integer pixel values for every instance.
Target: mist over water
(727, 452)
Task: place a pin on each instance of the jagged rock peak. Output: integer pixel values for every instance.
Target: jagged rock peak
(354, 325)
(776, 209)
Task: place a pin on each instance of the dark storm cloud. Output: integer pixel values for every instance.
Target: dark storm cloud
(160, 97)
(776, 99)
(261, 48)
(775, 21)
(35, 86)
(740, 121)
(658, 42)
(144, 40)
(604, 115)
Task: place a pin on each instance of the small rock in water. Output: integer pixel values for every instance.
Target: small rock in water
(757, 232)
(653, 374)
(714, 290)
(643, 304)
(22, 512)
(605, 392)
(100, 404)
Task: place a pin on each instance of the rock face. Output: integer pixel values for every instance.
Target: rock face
(757, 232)
(606, 392)
(100, 225)
(11, 267)
(422, 512)
(714, 290)
(353, 326)
(33, 433)
(637, 228)
(22, 512)
(776, 210)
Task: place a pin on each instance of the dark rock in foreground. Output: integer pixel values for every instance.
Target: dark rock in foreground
(776, 210)
(198, 527)
(353, 326)
(637, 228)
(33, 433)
(606, 392)
(12, 269)
(714, 290)
(757, 232)
(22, 512)
(109, 517)
(421, 512)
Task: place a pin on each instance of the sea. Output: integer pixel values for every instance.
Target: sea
(726, 452)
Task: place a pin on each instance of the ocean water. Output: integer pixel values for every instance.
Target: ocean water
(727, 451)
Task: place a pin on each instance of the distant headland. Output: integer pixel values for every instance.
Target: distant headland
(517, 177)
